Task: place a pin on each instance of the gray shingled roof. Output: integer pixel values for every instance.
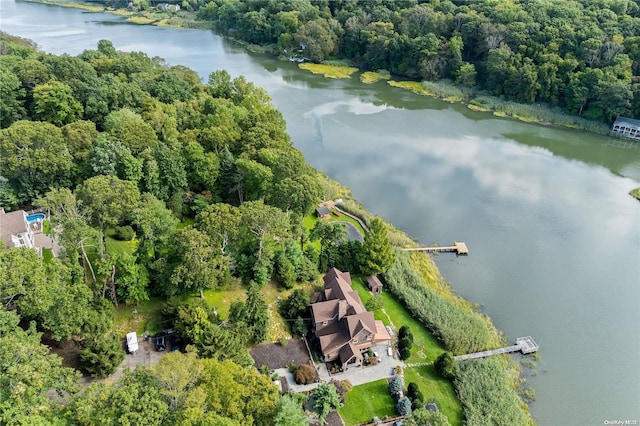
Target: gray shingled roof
(627, 122)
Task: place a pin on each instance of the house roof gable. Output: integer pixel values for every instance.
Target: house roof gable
(12, 223)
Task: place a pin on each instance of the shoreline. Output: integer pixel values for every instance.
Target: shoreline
(429, 268)
(442, 90)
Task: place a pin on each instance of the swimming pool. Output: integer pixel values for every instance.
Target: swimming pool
(35, 217)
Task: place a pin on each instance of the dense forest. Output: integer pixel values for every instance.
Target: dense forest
(203, 187)
(580, 56)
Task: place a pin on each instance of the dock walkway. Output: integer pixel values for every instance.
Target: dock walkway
(526, 345)
(459, 248)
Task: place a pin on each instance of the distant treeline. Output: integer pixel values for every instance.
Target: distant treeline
(581, 56)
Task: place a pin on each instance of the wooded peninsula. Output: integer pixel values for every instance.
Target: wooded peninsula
(177, 208)
(579, 58)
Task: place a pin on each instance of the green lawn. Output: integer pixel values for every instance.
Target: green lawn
(432, 385)
(364, 402)
(400, 316)
(345, 218)
(145, 316)
(119, 247)
(47, 255)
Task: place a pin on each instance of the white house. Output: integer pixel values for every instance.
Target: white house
(15, 230)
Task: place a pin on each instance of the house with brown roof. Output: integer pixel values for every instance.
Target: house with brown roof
(342, 324)
(374, 284)
(323, 212)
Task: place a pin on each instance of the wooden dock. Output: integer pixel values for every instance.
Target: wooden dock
(458, 248)
(526, 345)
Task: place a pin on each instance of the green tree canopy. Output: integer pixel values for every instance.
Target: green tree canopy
(377, 255)
(55, 103)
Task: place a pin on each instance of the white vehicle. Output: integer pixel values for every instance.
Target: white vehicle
(132, 342)
(390, 351)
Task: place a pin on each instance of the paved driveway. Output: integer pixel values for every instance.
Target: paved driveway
(361, 375)
(356, 375)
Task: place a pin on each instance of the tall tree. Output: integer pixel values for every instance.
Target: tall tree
(108, 198)
(27, 373)
(257, 314)
(193, 263)
(34, 157)
(55, 103)
(377, 255)
(261, 222)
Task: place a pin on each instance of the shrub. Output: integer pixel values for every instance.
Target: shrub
(342, 386)
(325, 400)
(417, 401)
(299, 328)
(304, 374)
(100, 357)
(292, 368)
(124, 233)
(445, 365)
(403, 407)
(405, 332)
(374, 303)
(405, 353)
(374, 360)
(405, 343)
(396, 385)
(412, 389)
(296, 305)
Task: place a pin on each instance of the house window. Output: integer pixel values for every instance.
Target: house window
(325, 322)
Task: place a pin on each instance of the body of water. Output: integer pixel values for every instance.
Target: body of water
(554, 237)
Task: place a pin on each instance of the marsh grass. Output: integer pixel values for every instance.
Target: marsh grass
(328, 71)
(370, 77)
(75, 5)
(536, 114)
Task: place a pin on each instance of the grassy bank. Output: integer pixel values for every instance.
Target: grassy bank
(539, 114)
(486, 388)
(328, 71)
(179, 19)
(73, 4)
(370, 77)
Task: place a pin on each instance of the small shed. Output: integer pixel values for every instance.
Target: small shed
(323, 212)
(374, 284)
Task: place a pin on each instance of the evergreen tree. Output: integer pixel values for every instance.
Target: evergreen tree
(376, 255)
(257, 315)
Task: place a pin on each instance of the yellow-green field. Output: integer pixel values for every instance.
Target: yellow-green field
(370, 77)
(329, 71)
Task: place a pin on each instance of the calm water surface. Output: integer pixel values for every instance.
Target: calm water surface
(554, 237)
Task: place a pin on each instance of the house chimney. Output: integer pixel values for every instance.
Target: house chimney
(342, 309)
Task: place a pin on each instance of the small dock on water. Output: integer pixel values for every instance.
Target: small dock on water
(458, 248)
(525, 345)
